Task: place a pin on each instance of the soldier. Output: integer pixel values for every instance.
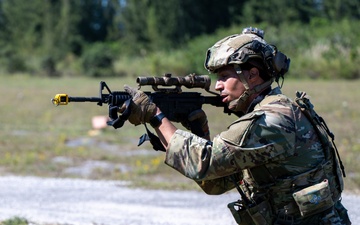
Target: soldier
(278, 155)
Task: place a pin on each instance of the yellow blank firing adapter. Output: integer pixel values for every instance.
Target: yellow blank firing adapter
(60, 99)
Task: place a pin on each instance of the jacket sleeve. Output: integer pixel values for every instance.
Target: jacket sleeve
(191, 155)
(252, 140)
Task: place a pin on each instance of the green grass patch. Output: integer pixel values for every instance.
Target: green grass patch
(36, 136)
(15, 221)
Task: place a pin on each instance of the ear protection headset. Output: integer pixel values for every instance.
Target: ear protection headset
(276, 62)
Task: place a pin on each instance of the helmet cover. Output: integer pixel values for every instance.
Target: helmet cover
(234, 49)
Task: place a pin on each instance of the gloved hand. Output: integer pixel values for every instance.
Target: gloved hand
(142, 109)
(197, 123)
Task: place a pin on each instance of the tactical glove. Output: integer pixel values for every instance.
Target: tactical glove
(197, 123)
(142, 108)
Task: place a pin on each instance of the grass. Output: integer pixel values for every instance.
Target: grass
(15, 221)
(35, 135)
(21, 221)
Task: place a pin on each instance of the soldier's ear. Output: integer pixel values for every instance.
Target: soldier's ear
(254, 72)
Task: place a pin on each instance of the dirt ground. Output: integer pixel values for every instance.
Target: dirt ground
(53, 201)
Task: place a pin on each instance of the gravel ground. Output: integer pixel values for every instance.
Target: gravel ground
(86, 202)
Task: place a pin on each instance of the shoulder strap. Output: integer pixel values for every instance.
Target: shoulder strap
(269, 99)
(303, 102)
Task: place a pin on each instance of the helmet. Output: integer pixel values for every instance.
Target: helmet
(247, 47)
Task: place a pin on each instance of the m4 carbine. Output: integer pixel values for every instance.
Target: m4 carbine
(167, 95)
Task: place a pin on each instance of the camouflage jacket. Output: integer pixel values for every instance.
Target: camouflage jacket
(273, 150)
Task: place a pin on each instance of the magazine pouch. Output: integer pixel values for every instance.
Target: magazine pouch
(240, 213)
(260, 214)
(314, 199)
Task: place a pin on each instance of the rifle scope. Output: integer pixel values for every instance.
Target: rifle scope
(189, 81)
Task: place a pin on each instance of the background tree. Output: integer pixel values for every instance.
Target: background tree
(57, 36)
(339, 9)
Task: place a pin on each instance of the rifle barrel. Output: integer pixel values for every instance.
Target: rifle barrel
(84, 99)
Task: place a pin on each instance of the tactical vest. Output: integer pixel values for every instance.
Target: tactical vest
(279, 201)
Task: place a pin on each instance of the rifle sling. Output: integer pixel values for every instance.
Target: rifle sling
(154, 140)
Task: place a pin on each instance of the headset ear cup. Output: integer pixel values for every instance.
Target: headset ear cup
(281, 63)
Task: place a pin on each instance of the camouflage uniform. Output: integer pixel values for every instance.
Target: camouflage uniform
(271, 153)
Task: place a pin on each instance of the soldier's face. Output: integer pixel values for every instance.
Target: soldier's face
(229, 84)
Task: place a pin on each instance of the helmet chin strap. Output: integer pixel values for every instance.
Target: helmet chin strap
(238, 104)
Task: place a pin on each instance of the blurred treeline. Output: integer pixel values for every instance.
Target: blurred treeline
(151, 37)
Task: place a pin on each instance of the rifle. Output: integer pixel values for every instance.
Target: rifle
(173, 102)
